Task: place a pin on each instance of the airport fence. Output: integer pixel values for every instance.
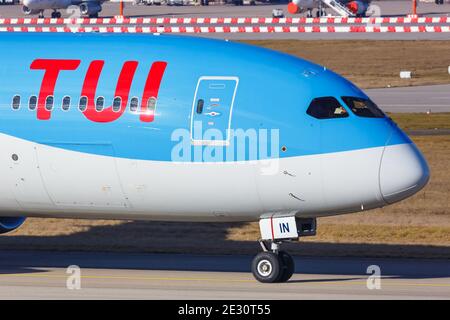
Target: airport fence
(226, 21)
(228, 29)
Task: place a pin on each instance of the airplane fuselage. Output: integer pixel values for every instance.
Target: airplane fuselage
(75, 8)
(49, 4)
(179, 128)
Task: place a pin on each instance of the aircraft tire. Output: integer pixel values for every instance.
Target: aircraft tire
(267, 267)
(288, 266)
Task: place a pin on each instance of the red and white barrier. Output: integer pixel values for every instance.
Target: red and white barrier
(225, 21)
(242, 29)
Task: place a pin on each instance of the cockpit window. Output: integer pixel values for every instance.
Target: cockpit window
(363, 107)
(326, 108)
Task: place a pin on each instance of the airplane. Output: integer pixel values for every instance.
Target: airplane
(90, 8)
(342, 7)
(172, 128)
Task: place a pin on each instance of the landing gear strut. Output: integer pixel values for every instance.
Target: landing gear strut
(273, 265)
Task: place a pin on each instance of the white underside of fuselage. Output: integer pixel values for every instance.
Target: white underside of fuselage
(46, 181)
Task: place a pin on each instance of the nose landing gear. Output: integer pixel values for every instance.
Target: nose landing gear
(273, 265)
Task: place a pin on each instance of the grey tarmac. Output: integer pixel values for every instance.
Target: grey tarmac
(42, 275)
(435, 98)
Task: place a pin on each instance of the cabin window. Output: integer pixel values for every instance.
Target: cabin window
(200, 105)
(82, 105)
(66, 103)
(151, 105)
(49, 103)
(134, 104)
(16, 102)
(117, 104)
(32, 103)
(326, 108)
(363, 107)
(99, 104)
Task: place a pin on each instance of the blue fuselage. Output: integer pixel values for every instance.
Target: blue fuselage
(274, 92)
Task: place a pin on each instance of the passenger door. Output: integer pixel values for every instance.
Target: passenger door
(212, 109)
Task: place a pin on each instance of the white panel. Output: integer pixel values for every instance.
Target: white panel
(208, 190)
(351, 179)
(80, 179)
(290, 184)
(21, 176)
(265, 228)
(278, 228)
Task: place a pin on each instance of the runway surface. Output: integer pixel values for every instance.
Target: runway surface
(435, 98)
(384, 8)
(42, 275)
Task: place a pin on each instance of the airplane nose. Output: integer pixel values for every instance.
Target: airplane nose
(403, 172)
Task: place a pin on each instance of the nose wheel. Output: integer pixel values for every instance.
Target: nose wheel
(273, 266)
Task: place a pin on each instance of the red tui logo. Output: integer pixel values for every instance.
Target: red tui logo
(53, 67)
